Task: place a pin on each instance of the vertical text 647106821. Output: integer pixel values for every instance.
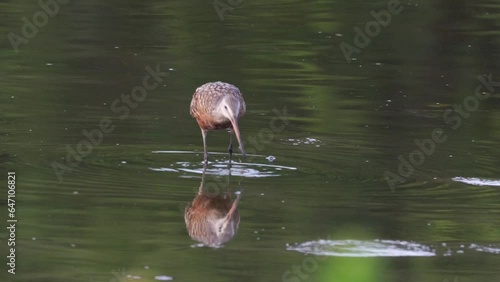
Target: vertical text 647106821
(11, 222)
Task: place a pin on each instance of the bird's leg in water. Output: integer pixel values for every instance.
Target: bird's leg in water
(230, 148)
(205, 152)
(202, 184)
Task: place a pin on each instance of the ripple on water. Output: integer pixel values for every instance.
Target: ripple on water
(356, 248)
(477, 181)
(384, 248)
(485, 249)
(220, 167)
(304, 141)
(163, 278)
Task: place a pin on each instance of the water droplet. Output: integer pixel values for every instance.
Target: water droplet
(270, 158)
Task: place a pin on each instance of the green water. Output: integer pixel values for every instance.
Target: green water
(336, 130)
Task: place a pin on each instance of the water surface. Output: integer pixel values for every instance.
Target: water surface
(321, 133)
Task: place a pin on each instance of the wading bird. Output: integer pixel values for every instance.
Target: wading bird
(211, 218)
(218, 105)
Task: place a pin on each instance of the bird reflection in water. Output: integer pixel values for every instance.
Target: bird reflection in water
(212, 218)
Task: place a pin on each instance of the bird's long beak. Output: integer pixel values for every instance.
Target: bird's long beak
(229, 215)
(238, 135)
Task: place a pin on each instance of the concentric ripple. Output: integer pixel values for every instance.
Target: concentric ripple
(220, 167)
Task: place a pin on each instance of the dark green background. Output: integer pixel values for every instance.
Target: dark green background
(107, 215)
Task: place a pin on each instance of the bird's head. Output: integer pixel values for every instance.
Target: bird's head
(230, 109)
(226, 227)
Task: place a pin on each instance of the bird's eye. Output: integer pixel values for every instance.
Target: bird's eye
(225, 107)
(220, 229)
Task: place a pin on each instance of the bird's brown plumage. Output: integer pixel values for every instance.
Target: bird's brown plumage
(207, 97)
(218, 105)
